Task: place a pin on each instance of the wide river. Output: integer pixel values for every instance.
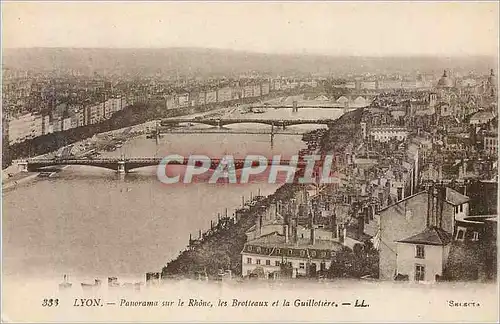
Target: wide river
(89, 222)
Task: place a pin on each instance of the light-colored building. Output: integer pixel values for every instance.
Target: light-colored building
(384, 134)
(265, 88)
(46, 125)
(66, 123)
(224, 94)
(266, 254)
(57, 125)
(490, 143)
(183, 99)
(108, 108)
(116, 105)
(80, 117)
(277, 84)
(481, 117)
(436, 207)
(390, 84)
(423, 256)
(170, 102)
(25, 127)
(248, 91)
(256, 90)
(211, 97)
(370, 85)
(96, 113)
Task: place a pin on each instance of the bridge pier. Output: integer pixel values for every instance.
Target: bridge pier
(22, 166)
(121, 167)
(272, 134)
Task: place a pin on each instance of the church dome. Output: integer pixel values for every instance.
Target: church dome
(492, 80)
(445, 81)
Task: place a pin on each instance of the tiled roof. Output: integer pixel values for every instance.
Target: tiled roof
(354, 234)
(430, 236)
(402, 200)
(482, 115)
(455, 198)
(278, 240)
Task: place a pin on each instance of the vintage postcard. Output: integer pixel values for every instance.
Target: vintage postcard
(249, 161)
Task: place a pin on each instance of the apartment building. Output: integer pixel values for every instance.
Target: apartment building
(25, 127)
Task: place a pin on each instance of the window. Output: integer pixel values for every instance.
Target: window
(419, 272)
(249, 260)
(277, 263)
(462, 208)
(278, 251)
(268, 262)
(313, 253)
(460, 235)
(420, 252)
(475, 236)
(258, 261)
(302, 253)
(258, 249)
(301, 265)
(290, 252)
(249, 248)
(323, 254)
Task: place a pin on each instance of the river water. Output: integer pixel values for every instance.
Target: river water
(89, 222)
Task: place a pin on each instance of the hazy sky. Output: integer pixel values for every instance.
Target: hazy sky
(280, 27)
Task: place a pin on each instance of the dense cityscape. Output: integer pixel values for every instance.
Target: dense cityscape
(256, 161)
(421, 153)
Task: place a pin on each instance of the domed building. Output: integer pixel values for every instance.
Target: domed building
(445, 82)
(491, 84)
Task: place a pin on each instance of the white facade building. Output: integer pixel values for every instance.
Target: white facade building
(384, 134)
(25, 127)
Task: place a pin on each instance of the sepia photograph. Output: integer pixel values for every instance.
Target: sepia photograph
(249, 161)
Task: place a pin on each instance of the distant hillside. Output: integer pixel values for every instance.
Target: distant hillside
(215, 61)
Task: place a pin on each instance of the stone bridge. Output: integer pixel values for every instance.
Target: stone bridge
(124, 165)
(222, 122)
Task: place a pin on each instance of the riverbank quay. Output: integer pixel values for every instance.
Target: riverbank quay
(18, 179)
(130, 116)
(221, 251)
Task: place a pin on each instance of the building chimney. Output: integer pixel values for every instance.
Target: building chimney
(435, 204)
(334, 225)
(429, 206)
(259, 225)
(285, 232)
(313, 236)
(295, 232)
(361, 225)
(311, 223)
(441, 200)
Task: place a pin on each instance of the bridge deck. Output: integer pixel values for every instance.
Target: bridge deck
(226, 121)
